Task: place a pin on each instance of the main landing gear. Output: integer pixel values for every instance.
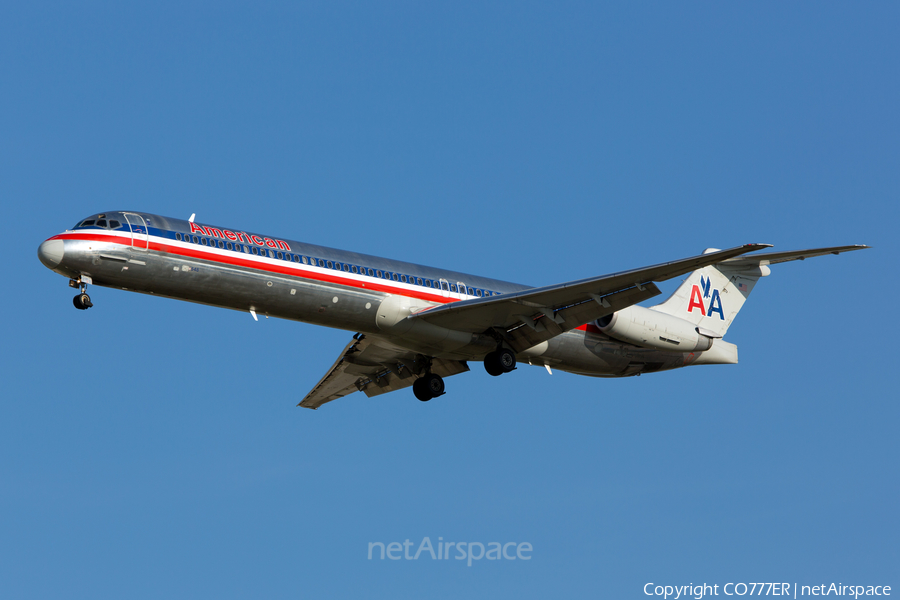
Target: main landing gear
(81, 301)
(500, 361)
(430, 385)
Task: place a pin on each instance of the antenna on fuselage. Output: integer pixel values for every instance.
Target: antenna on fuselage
(191, 220)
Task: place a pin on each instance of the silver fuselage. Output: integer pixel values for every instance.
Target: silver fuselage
(286, 279)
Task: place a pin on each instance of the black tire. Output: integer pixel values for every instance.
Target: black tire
(506, 360)
(491, 365)
(82, 302)
(421, 391)
(434, 384)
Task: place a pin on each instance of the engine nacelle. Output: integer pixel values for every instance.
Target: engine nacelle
(652, 329)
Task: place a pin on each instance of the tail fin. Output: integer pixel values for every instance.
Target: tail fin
(711, 297)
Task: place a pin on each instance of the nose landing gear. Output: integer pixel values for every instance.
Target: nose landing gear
(81, 301)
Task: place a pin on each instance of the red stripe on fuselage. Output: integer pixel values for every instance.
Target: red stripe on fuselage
(296, 271)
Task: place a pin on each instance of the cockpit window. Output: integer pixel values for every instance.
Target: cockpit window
(113, 224)
(87, 223)
(101, 223)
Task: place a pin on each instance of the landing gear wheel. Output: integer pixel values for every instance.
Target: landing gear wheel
(491, 365)
(500, 361)
(420, 391)
(82, 301)
(434, 384)
(428, 387)
(506, 359)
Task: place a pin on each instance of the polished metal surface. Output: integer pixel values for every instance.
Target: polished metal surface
(412, 319)
(51, 253)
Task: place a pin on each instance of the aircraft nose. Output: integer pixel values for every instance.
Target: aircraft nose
(51, 253)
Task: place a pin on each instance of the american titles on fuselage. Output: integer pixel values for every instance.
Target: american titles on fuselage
(239, 236)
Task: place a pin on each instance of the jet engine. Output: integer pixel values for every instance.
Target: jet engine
(652, 329)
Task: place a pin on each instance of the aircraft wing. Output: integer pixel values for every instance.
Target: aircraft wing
(374, 366)
(771, 258)
(527, 318)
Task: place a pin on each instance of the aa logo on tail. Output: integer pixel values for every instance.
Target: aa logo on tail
(699, 292)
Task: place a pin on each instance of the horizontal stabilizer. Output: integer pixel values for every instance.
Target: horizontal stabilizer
(771, 258)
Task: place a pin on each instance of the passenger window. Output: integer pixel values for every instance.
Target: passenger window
(378, 274)
(279, 255)
(295, 258)
(428, 283)
(204, 241)
(221, 244)
(178, 237)
(354, 269)
(101, 223)
(255, 250)
(228, 246)
(114, 224)
(346, 268)
(480, 293)
(403, 278)
(330, 264)
(396, 277)
(419, 280)
(196, 240)
(453, 287)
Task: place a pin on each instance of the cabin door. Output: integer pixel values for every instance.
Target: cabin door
(139, 235)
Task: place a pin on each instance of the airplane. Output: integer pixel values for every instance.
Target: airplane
(417, 325)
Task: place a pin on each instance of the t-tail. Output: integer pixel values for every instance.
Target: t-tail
(711, 297)
(696, 317)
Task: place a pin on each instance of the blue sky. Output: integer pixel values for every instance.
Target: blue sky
(152, 448)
